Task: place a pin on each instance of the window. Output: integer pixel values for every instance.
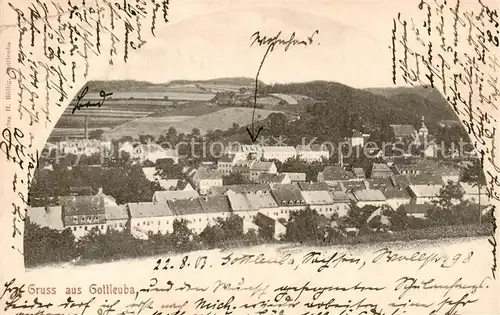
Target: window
(85, 228)
(121, 224)
(159, 222)
(102, 227)
(74, 228)
(138, 223)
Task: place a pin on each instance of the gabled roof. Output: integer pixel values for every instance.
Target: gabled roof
(185, 206)
(403, 130)
(331, 173)
(288, 196)
(82, 205)
(296, 177)
(425, 190)
(311, 186)
(119, 212)
(380, 170)
(214, 204)
(227, 157)
(378, 183)
(244, 188)
(352, 186)
(425, 179)
(271, 178)
(340, 197)
(148, 209)
(262, 166)
(369, 195)
(240, 202)
(164, 195)
(205, 173)
(50, 217)
(317, 197)
(261, 201)
(395, 193)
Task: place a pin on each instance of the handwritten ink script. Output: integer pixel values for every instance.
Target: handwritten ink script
(271, 42)
(79, 99)
(454, 48)
(56, 42)
(304, 282)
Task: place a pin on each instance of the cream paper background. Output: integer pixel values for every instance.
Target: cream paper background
(207, 39)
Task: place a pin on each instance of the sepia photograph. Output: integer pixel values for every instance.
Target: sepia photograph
(250, 158)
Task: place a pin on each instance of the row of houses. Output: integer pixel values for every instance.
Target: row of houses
(309, 153)
(268, 201)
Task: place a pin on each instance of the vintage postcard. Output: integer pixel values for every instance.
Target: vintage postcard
(164, 157)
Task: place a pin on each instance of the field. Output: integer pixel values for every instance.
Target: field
(222, 119)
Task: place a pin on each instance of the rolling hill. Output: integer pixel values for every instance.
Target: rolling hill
(222, 119)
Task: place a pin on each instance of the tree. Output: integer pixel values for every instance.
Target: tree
(182, 236)
(144, 139)
(450, 195)
(195, 132)
(166, 168)
(234, 179)
(304, 225)
(474, 174)
(96, 134)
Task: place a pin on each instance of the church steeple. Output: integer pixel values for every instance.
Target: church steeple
(423, 132)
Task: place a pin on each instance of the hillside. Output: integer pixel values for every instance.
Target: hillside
(222, 119)
(344, 108)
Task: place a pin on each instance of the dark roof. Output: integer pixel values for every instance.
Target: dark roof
(288, 196)
(214, 204)
(310, 186)
(185, 206)
(424, 179)
(82, 205)
(400, 181)
(271, 178)
(352, 185)
(336, 173)
(377, 183)
(228, 158)
(395, 193)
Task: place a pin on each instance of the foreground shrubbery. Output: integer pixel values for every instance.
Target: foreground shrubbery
(46, 246)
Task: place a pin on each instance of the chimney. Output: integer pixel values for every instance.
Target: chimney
(86, 127)
(99, 192)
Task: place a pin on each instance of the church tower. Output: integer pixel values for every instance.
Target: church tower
(423, 133)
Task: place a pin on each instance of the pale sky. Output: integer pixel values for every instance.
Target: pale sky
(207, 40)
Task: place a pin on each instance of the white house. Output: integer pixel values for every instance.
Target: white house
(421, 194)
(321, 201)
(163, 196)
(372, 197)
(312, 153)
(152, 217)
(84, 146)
(396, 197)
(280, 153)
(204, 179)
(117, 217)
(149, 151)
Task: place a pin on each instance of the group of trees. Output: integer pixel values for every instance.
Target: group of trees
(125, 182)
(43, 245)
